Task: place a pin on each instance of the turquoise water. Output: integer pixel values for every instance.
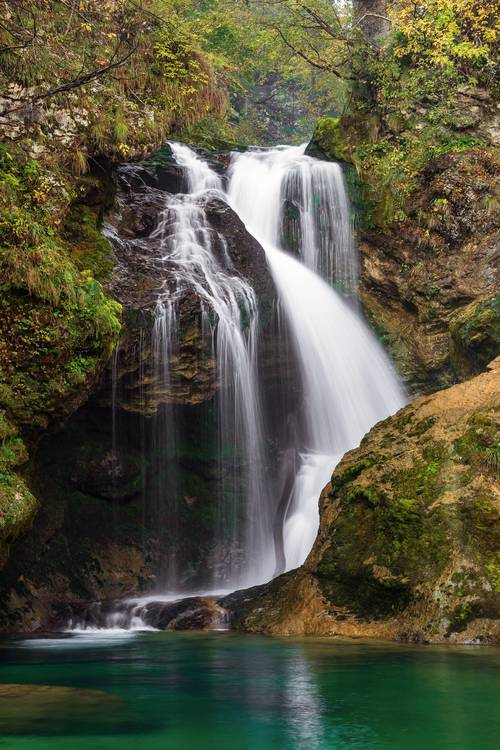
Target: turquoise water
(217, 691)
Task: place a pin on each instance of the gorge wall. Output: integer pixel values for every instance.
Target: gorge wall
(101, 532)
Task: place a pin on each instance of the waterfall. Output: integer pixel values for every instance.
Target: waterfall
(298, 203)
(276, 444)
(197, 257)
(348, 381)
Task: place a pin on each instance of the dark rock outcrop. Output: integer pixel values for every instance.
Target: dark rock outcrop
(142, 274)
(189, 613)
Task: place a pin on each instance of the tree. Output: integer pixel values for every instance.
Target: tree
(371, 17)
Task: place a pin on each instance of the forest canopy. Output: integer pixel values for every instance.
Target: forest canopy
(240, 64)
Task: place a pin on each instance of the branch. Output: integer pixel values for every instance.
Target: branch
(323, 24)
(15, 46)
(75, 83)
(314, 63)
(371, 15)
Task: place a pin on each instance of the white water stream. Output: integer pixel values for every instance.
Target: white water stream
(298, 210)
(349, 382)
(286, 199)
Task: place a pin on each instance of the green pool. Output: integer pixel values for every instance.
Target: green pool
(159, 691)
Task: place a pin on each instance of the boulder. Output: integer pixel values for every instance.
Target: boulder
(409, 539)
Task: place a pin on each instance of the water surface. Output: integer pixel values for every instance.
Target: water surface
(216, 691)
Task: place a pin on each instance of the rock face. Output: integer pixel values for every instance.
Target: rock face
(409, 539)
(190, 613)
(430, 285)
(141, 274)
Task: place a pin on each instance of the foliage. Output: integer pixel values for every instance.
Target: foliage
(407, 82)
(33, 256)
(163, 80)
(275, 93)
(453, 35)
(17, 504)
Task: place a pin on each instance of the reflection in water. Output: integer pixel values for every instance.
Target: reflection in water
(303, 705)
(163, 691)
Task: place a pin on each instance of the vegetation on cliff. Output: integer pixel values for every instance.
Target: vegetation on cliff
(429, 285)
(84, 85)
(425, 87)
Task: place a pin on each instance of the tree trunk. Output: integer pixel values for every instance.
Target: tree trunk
(372, 17)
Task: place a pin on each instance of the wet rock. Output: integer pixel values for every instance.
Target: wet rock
(475, 335)
(108, 475)
(422, 280)
(196, 613)
(143, 273)
(247, 257)
(191, 613)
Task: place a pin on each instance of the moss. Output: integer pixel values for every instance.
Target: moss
(340, 480)
(463, 614)
(478, 446)
(423, 481)
(17, 504)
(389, 536)
(422, 426)
(493, 571)
(47, 352)
(481, 528)
(328, 138)
(90, 250)
(362, 206)
(396, 533)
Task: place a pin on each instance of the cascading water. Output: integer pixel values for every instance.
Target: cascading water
(229, 311)
(348, 381)
(299, 204)
(265, 520)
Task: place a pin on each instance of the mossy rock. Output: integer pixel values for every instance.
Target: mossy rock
(475, 336)
(409, 531)
(25, 709)
(328, 140)
(337, 137)
(17, 504)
